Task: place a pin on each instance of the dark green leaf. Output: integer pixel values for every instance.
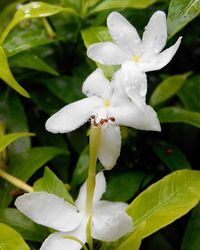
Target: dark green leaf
(171, 155)
(10, 239)
(173, 114)
(123, 186)
(80, 171)
(181, 13)
(31, 61)
(66, 88)
(191, 239)
(24, 165)
(22, 224)
(190, 92)
(168, 88)
(51, 184)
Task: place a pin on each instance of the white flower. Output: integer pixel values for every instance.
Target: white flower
(127, 46)
(106, 105)
(109, 221)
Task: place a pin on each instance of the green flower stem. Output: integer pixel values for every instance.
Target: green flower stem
(48, 28)
(95, 139)
(3, 153)
(15, 181)
(77, 240)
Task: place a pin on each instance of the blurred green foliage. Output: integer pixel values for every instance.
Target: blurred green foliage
(43, 54)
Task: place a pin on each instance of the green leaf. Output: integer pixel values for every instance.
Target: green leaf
(165, 201)
(7, 76)
(117, 4)
(171, 155)
(168, 88)
(191, 239)
(123, 186)
(134, 241)
(10, 239)
(51, 184)
(14, 118)
(80, 171)
(31, 61)
(190, 92)
(95, 35)
(26, 38)
(181, 13)
(22, 224)
(173, 114)
(5, 140)
(24, 165)
(32, 10)
(66, 88)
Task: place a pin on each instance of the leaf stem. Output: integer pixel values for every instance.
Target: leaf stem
(48, 28)
(15, 181)
(95, 138)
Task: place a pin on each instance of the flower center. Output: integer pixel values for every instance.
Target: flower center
(136, 58)
(106, 103)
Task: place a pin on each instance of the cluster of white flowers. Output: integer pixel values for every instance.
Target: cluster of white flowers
(109, 104)
(123, 100)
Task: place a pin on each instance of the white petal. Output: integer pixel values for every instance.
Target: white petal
(106, 53)
(100, 188)
(110, 146)
(97, 84)
(49, 210)
(123, 33)
(57, 241)
(135, 83)
(155, 34)
(110, 222)
(161, 59)
(131, 115)
(72, 116)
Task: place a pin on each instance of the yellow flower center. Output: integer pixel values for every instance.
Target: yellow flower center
(136, 58)
(106, 103)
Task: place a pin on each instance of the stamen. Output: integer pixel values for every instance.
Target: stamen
(136, 58)
(106, 103)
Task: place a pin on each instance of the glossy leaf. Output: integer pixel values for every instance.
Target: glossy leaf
(171, 155)
(114, 4)
(51, 184)
(26, 38)
(11, 239)
(165, 201)
(191, 239)
(173, 114)
(134, 241)
(95, 35)
(190, 92)
(5, 140)
(122, 187)
(168, 88)
(7, 76)
(31, 61)
(24, 165)
(181, 13)
(22, 224)
(31, 10)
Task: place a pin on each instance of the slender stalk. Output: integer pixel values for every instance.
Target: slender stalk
(84, 8)
(95, 138)
(3, 153)
(77, 240)
(48, 28)
(15, 181)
